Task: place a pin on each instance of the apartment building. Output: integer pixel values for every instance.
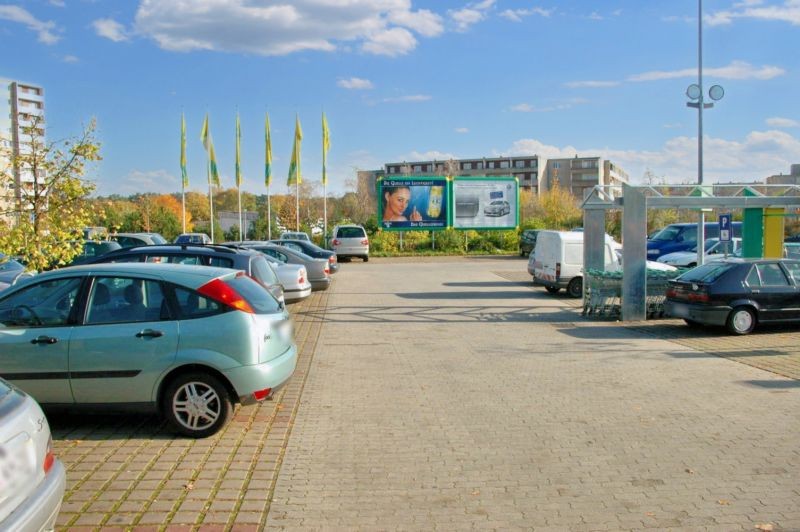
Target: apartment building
(534, 173)
(793, 178)
(19, 103)
(579, 175)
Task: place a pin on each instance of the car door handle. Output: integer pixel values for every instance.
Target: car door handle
(149, 333)
(44, 340)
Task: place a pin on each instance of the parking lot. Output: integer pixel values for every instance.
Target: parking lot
(449, 393)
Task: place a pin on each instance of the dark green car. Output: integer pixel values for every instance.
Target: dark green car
(527, 241)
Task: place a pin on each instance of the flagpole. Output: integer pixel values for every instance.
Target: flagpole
(269, 212)
(297, 199)
(210, 199)
(183, 205)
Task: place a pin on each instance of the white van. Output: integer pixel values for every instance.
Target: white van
(557, 260)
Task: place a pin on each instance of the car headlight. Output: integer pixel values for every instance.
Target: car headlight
(652, 252)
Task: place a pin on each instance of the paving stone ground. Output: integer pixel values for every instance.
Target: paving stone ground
(448, 393)
(445, 395)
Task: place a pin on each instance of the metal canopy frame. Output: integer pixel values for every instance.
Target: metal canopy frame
(634, 201)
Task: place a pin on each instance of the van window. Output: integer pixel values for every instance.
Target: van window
(573, 253)
(689, 233)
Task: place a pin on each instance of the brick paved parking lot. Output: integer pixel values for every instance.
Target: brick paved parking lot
(450, 394)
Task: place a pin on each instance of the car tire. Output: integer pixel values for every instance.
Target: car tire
(366, 258)
(552, 289)
(575, 287)
(207, 414)
(741, 320)
(691, 265)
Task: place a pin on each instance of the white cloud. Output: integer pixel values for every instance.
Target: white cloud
(70, 59)
(758, 155)
(788, 11)
(557, 106)
(516, 15)
(596, 16)
(430, 155)
(392, 42)
(674, 125)
(44, 30)
(57, 3)
(423, 21)
(782, 122)
(461, 130)
(381, 27)
(110, 29)
(158, 181)
(355, 84)
(470, 15)
(735, 70)
(409, 98)
(591, 84)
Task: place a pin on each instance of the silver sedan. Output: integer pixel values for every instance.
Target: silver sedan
(318, 269)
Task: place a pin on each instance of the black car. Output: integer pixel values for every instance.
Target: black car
(312, 250)
(737, 293)
(527, 241)
(251, 262)
(93, 249)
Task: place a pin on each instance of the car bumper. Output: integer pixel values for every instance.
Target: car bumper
(700, 314)
(296, 295)
(352, 251)
(333, 267)
(272, 374)
(320, 284)
(40, 509)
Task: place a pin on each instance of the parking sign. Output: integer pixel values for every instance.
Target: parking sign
(725, 227)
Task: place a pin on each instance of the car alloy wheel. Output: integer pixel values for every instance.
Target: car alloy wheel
(197, 405)
(741, 320)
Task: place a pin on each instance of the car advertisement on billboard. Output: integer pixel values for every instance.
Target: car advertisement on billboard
(413, 204)
(485, 203)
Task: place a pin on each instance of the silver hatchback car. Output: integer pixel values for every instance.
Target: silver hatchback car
(350, 241)
(32, 479)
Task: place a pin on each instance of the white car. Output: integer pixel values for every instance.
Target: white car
(32, 479)
(294, 279)
(715, 250)
(295, 235)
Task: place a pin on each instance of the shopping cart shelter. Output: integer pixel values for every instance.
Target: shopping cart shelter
(637, 294)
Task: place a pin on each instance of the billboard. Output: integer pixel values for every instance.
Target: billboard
(485, 203)
(409, 204)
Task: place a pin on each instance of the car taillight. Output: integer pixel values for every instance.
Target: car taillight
(327, 269)
(222, 292)
(332, 259)
(671, 292)
(301, 277)
(49, 457)
(260, 395)
(699, 297)
(364, 242)
(558, 270)
(336, 242)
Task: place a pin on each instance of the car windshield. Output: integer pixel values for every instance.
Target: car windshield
(667, 234)
(497, 202)
(707, 273)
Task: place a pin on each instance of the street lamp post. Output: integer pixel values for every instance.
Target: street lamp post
(695, 93)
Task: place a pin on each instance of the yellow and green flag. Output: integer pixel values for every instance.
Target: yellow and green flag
(268, 154)
(326, 144)
(238, 152)
(208, 144)
(295, 177)
(184, 173)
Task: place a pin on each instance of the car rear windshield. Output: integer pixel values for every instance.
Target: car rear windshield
(707, 273)
(351, 232)
(158, 239)
(263, 272)
(256, 295)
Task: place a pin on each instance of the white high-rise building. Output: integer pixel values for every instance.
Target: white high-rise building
(19, 103)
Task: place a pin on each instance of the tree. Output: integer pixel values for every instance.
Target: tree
(558, 208)
(52, 210)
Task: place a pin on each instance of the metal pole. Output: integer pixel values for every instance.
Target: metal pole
(210, 198)
(269, 212)
(183, 206)
(241, 225)
(297, 200)
(701, 226)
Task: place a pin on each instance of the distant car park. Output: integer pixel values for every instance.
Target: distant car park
(312, 250)
(186, 341)
(193, 238)
(318, 269)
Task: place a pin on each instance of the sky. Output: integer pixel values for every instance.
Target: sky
(405, 80)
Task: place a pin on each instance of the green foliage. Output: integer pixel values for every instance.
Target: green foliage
(232, 234)
(49, 218)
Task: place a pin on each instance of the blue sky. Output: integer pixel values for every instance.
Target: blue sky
(409, 80)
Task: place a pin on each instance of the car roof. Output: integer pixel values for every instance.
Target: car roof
(193, 249)
(188, 275)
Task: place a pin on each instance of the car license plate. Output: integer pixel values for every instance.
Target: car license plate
(679, 310)
(17, 465)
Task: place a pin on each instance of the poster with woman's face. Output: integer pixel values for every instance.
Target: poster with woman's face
(409, 204)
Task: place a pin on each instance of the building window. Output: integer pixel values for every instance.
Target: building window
(503, 164)
(417, 168)
(519, 164)
(556, 166)
(466, 166)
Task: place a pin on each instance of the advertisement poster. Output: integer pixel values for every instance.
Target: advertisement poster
(485, 203)
(413, 204)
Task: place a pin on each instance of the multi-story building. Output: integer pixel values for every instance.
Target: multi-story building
(534, 173)
(579, 175)
(20, 103)
(793, 178)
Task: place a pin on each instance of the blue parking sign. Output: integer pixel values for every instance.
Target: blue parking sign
(725, 227)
